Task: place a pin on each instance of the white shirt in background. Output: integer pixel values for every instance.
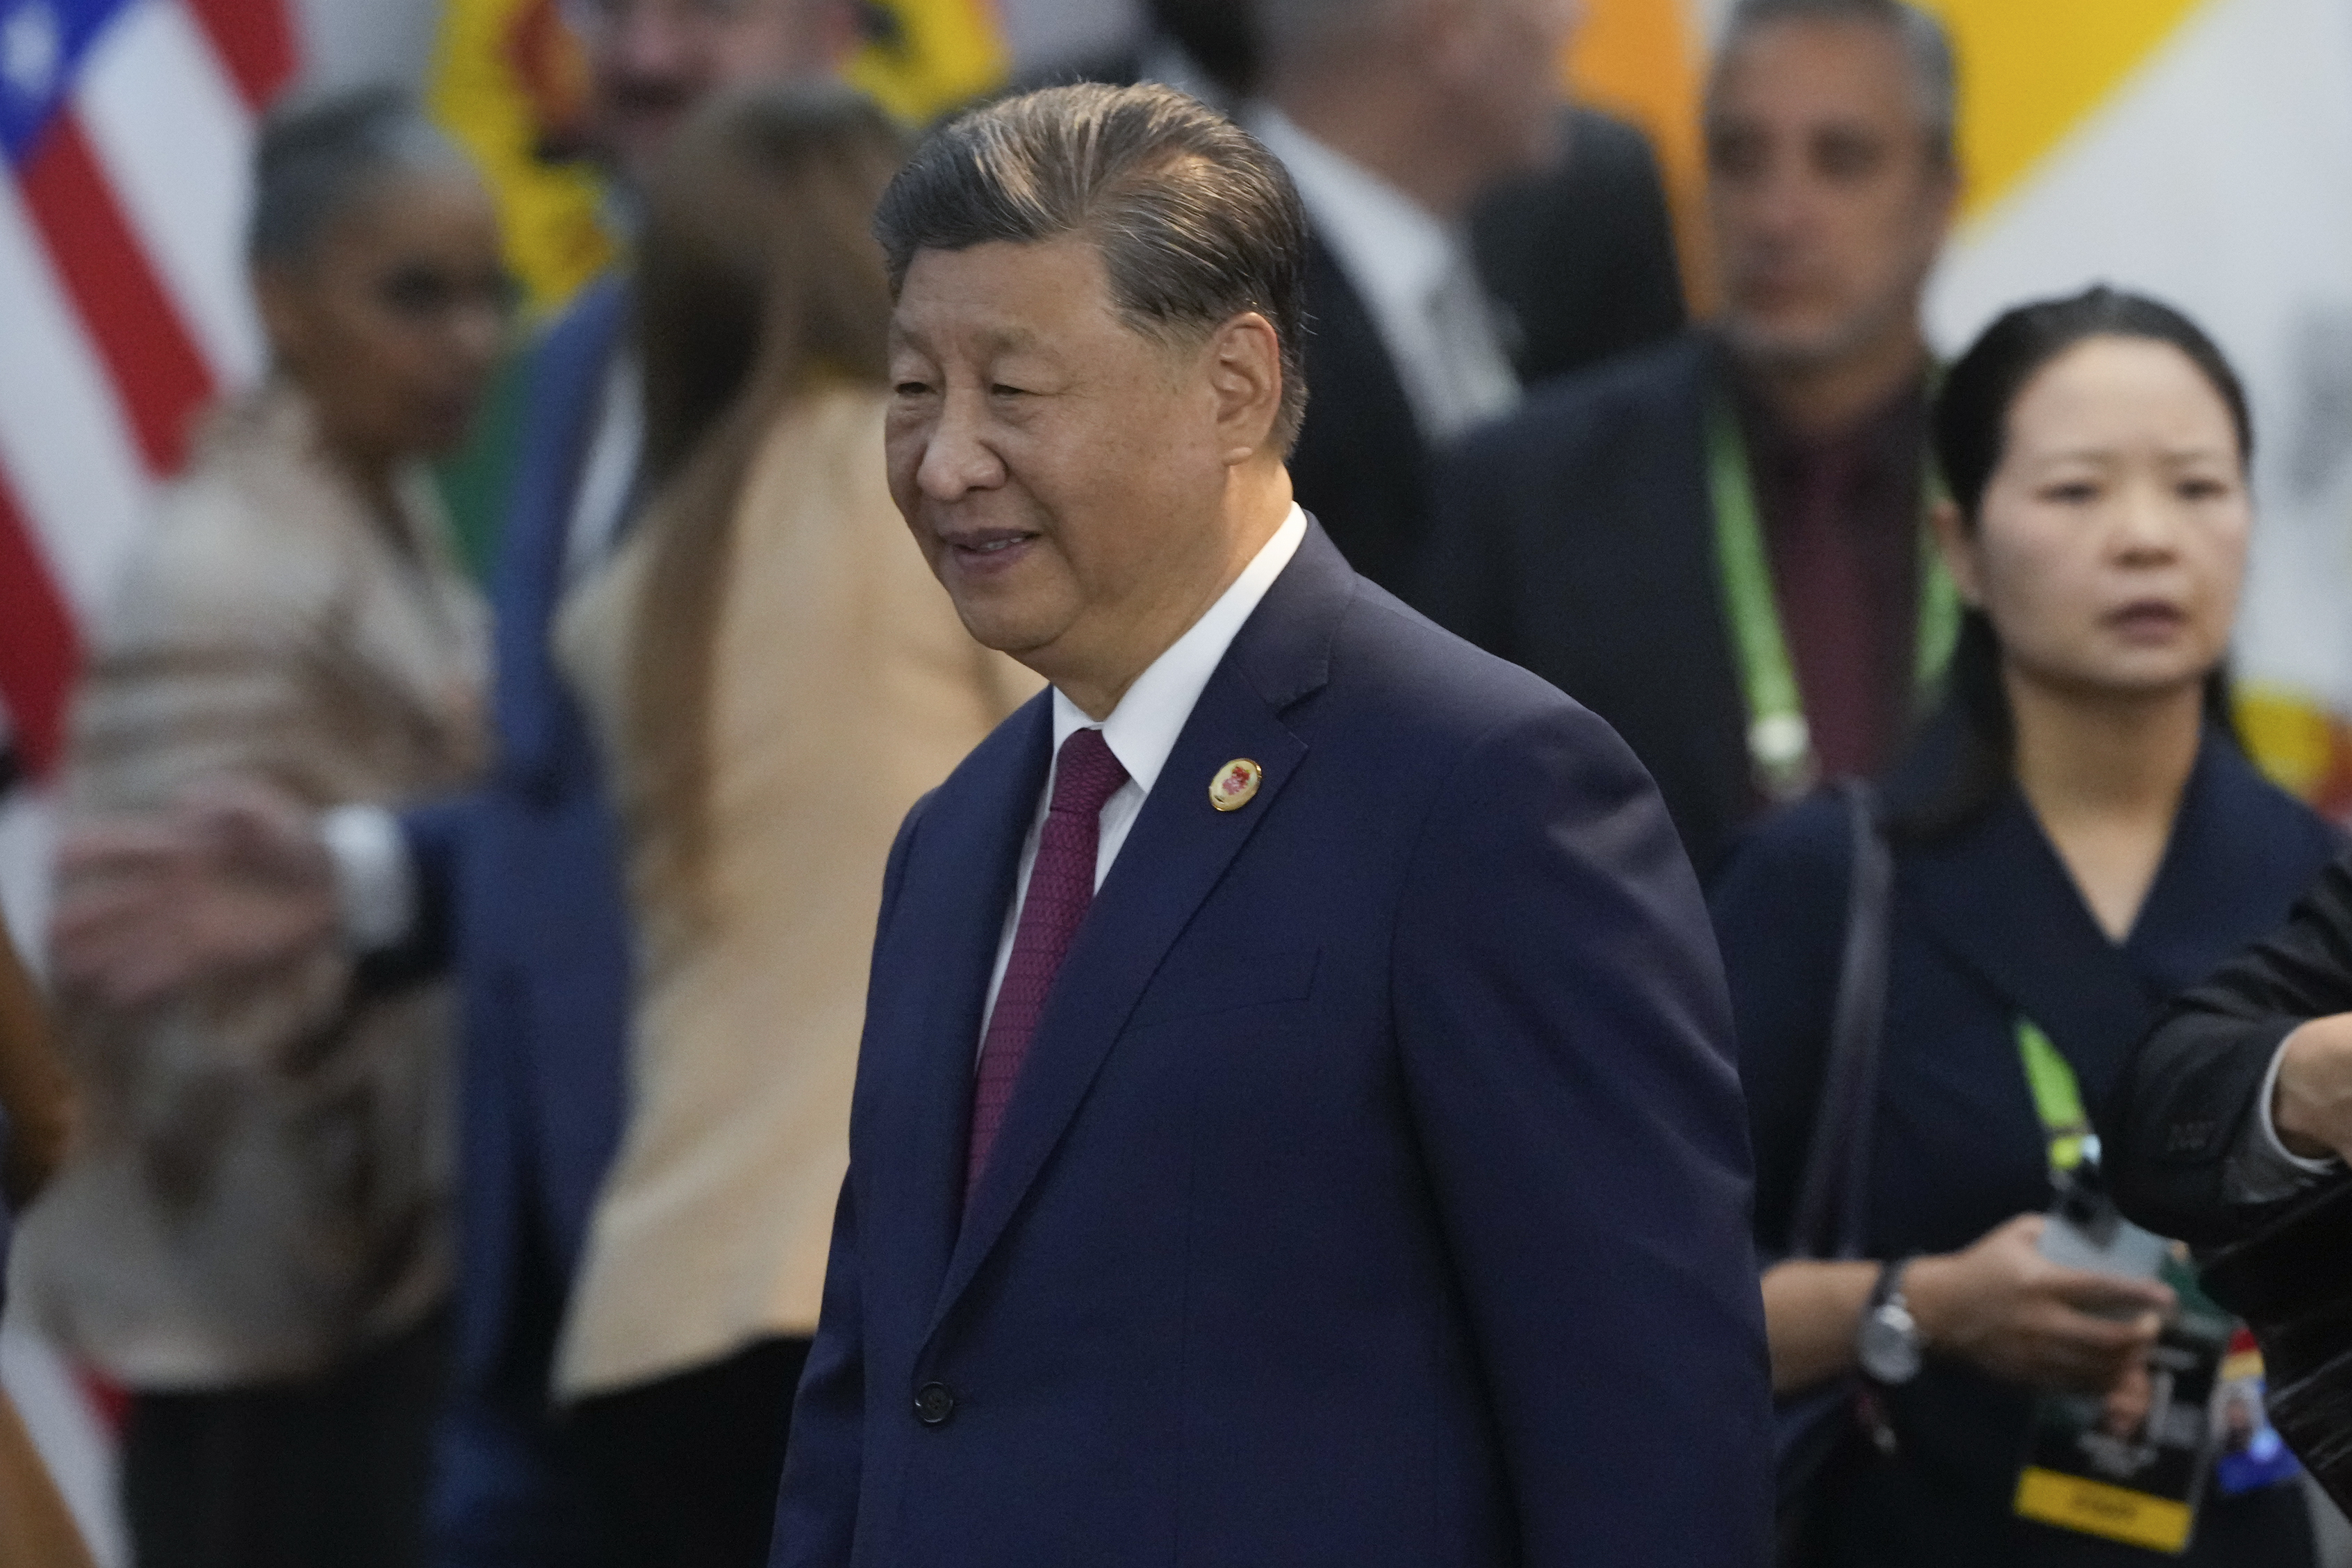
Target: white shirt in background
(1416, 275)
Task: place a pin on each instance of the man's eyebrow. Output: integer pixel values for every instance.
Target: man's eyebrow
(1005, 340)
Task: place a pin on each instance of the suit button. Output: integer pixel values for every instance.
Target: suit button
(934, 1402)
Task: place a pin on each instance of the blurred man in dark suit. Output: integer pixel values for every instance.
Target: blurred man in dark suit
(1579, 255)
(1394, 118)
(1582, 256)
(1718, 545)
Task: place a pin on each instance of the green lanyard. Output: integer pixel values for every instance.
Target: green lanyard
(2057, 1099)
(1779, 744)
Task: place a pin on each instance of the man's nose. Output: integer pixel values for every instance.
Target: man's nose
(1780, 205)
(956, 457)
(476, 332)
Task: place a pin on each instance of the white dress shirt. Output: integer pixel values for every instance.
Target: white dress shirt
(2262, 1168)
(600, 506)
(1142, 730)
(1415, 274)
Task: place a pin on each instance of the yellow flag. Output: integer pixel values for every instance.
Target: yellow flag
(2031, 76)
(934, 55)
(509, 84)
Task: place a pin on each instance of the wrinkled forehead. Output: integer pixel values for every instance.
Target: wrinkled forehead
(1006, 296)
(1811, 72)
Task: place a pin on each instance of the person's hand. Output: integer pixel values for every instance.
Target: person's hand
(2024, 1319)
(234, 879)
(2312, 1106)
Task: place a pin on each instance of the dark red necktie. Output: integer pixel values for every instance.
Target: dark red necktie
(1060, 890)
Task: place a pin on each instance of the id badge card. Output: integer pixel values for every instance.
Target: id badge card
(2133, 1472)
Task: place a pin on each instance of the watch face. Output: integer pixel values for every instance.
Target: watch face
(1888, 1345)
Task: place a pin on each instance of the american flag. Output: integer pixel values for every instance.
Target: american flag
(128, 127)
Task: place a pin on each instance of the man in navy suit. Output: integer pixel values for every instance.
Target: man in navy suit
(1297, 1120)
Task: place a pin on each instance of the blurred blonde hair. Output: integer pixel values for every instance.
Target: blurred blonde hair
(758, 279)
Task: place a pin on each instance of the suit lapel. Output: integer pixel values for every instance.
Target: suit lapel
(1998, 899)
(2241, 853)
(957, 904)
(1176, 853)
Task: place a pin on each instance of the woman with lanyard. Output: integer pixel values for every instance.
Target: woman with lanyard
(2075, 836)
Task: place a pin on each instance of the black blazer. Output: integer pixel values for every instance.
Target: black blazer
(1577, 539)
(1360, 461)
(1986, 927)
(1582, 256)
(2192, 1084)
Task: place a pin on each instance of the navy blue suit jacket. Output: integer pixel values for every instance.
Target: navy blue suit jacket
(1376, 1191)
(522, 894)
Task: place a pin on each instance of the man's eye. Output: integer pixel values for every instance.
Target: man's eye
(1848, 157)
(912, 389)
(1000, 390)
(1735, 155)
(418, 292)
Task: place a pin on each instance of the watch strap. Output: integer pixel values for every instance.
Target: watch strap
(1889, 1287)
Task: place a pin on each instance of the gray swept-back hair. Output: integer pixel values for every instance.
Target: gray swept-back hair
(318, 159)
(1195, 221)
(1935, 78)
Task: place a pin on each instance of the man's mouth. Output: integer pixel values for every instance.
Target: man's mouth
(985, 549)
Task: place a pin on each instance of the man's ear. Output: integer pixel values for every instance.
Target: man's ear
(1958, 549)
(1244, 363)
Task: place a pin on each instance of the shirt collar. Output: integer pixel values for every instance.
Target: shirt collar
(1142, 730)
(1390, 247)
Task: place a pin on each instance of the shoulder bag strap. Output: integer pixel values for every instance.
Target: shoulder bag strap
(1832, 1195)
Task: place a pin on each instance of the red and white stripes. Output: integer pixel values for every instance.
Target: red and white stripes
(126, 310)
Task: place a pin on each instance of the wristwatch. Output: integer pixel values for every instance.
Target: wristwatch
(1889, 1345)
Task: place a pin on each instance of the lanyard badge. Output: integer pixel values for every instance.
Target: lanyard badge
(1780, 742)
(2134, 1466)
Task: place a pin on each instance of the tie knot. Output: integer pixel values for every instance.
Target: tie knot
(1087, 775)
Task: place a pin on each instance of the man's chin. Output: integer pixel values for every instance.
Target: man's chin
(999, 627)
(1793, 347)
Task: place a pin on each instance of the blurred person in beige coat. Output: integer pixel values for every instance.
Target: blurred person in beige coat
(778, 678)
(251, 1229)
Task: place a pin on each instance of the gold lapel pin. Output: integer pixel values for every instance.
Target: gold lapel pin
(1235, 785)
